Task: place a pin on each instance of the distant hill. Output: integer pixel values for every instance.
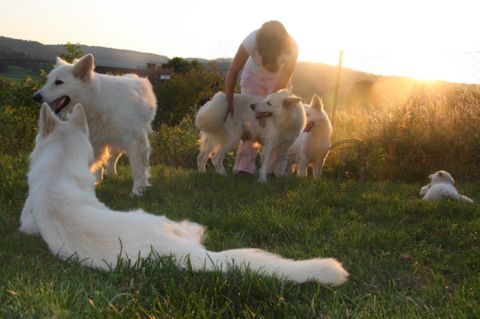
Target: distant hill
(103, 56)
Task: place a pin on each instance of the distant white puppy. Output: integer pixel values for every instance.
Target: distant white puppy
(313, 144)
(441, 186)
(119, 110)
(283, 115)
(63, 208)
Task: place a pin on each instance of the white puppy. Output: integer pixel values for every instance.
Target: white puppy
(441, 186)
(313, 144)
(119, 110)
(283, 117)
(73, 222)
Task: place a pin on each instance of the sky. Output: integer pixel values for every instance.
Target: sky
(423, 38)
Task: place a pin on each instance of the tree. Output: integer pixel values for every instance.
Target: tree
(72, 51)
(182, 66)
(184, 93)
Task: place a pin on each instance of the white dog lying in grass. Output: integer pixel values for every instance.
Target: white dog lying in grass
(313, 144)
(63, 208)
(441, 186)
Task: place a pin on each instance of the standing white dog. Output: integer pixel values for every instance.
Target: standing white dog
(73, 222)
(441, 186)
(119, 110)
(283, 117)
(313, 144)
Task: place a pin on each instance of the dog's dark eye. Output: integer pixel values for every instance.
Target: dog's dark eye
(269, 104)
(58, 82)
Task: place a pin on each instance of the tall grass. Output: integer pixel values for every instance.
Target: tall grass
(434, 127)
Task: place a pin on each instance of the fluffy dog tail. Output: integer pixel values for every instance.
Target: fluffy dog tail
(210, 116)
(324, 270)
(466, 199)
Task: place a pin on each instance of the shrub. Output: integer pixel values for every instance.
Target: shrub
(18, 93)
(18, 129)
(183, 93)
(175, 145)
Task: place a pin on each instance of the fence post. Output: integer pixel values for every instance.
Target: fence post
(337, 86)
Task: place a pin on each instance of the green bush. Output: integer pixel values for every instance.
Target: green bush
(175, 145)
(18, 129)
(183, 94)
(18, 93)
(18, 116)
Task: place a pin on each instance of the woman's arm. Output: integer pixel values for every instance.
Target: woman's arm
(237, 64)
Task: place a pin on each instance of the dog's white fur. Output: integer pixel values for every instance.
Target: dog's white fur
(313, 143)
(441, 186)
(119, 110)
(73, 222)
(276, 134)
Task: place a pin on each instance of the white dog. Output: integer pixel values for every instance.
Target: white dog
(283, 115)
(441, 186)
(68, 216)
(119, 110)
(313, 144)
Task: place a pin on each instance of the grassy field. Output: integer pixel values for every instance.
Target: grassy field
(407, 258)
(15, 73)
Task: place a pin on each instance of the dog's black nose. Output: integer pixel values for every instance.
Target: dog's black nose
(37, 97)
(252, 106)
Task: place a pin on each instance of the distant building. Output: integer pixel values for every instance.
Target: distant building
(155, 74)
(165, 72)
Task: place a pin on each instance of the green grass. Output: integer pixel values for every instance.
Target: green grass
(407, 258)
(16, 73)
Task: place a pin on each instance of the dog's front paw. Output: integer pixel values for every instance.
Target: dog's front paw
(424, 190)
(263, 179)
(139, 190)
(222, 171)
(28, 226)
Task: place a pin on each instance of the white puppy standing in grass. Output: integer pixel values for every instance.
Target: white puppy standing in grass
(73, 222)
(313, 143)
(119, 109)
(441, 186)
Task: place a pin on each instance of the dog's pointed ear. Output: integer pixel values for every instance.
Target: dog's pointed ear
(291, 101)
(317, 102)
(60, 61)
(446, 176)
(47, 121)
(79, 119)
(83, 68)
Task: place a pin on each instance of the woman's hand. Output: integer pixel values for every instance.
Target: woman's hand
(237, 64)
(229, 111)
